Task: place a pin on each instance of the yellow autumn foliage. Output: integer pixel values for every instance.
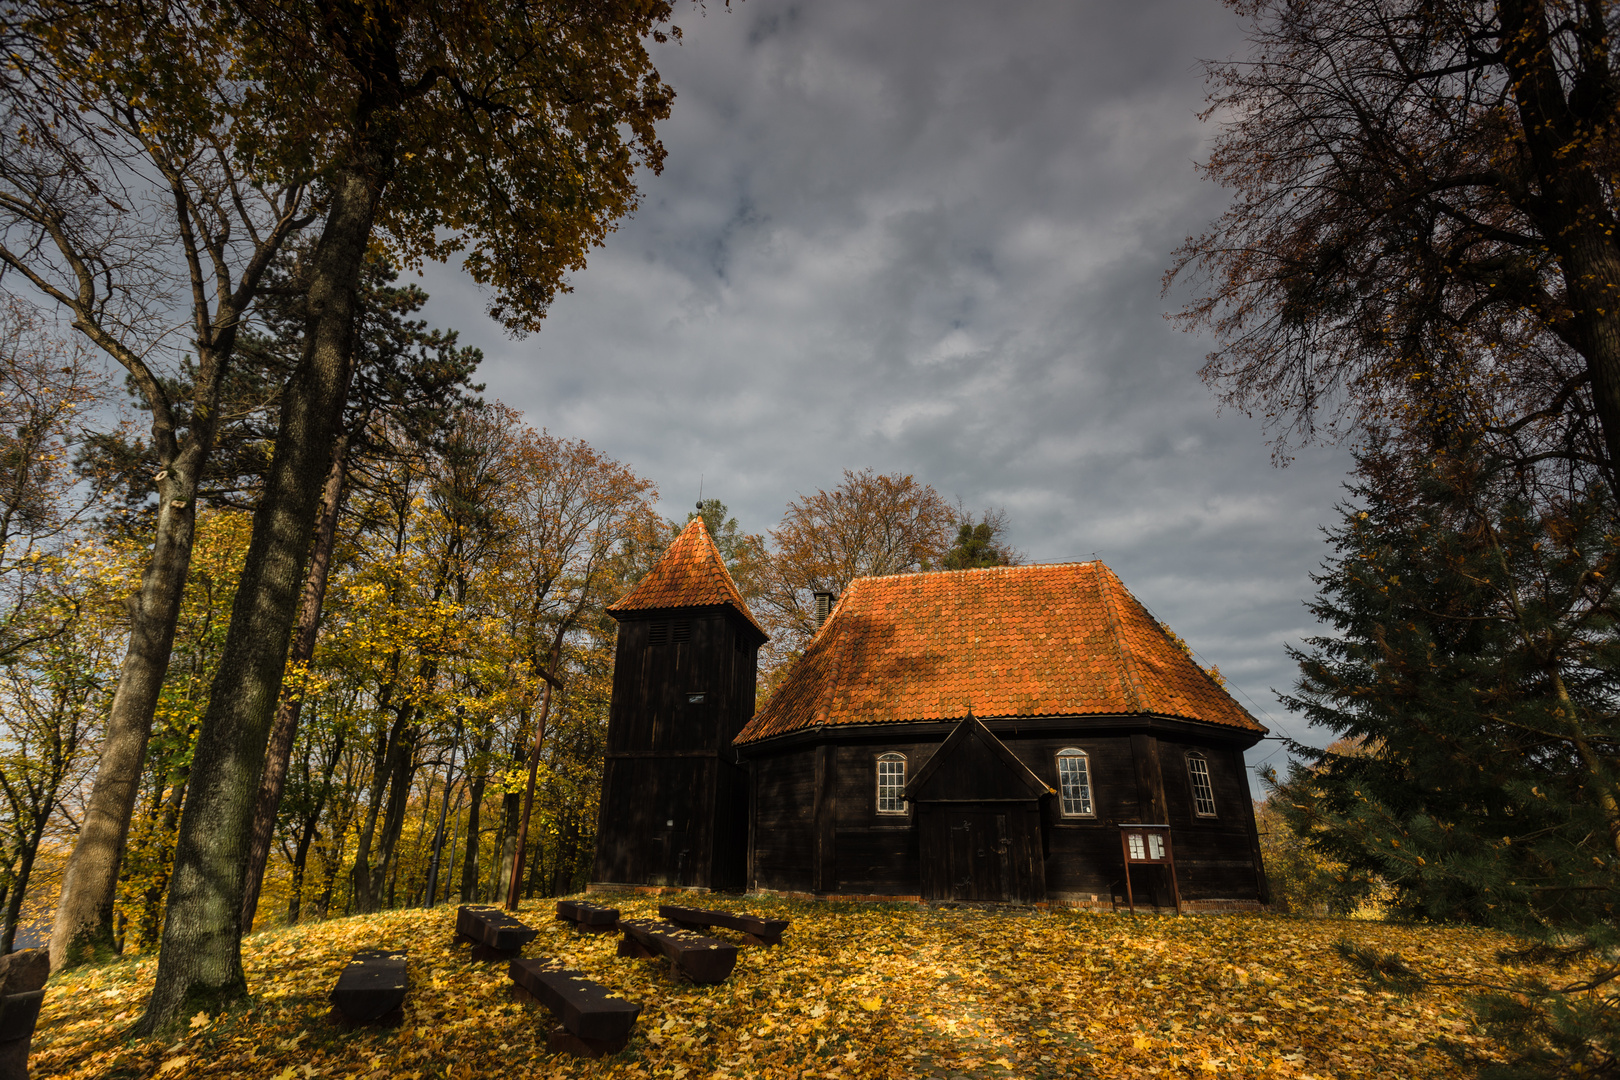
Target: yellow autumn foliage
(856, 990)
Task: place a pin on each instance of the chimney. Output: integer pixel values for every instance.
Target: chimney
(824, 606)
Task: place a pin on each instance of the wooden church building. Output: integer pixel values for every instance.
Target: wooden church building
(976, 735)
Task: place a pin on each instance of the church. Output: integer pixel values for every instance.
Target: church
(1001, 735)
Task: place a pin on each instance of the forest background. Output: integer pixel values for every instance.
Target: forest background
(474, 556)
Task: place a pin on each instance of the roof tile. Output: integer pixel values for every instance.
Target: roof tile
(1064, 639)
(690, 573)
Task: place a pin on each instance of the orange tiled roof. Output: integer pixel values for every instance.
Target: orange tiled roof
(690, 573)
(1055, 640)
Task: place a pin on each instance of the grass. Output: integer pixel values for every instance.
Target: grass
(856, 990)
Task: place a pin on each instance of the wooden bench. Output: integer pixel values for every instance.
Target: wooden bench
(691, 956)
(22, 991)
(372, 986)
(595, 1021)
(495, 935)
(588, 917)
(757, 930)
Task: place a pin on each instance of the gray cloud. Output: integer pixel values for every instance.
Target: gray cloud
(928, 237)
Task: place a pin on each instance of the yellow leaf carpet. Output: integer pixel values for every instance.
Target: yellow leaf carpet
(856, 990)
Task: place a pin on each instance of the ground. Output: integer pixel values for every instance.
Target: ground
(856, 990)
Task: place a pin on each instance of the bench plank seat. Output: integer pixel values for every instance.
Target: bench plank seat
(595, 1018)
(692, 956)
(759, 931)
(588, 917)
(500, 935)
(372, 985)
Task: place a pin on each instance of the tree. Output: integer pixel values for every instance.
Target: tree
(52, 693)
(1422, 232)
(981, 542)
(1299, 877)
(510, 132)
(1474, 667)
(123, 201)
(46, 390)
(870, 524)
(407, 380)
(571, 511)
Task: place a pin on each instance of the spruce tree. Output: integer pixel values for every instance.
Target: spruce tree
(1475, 665)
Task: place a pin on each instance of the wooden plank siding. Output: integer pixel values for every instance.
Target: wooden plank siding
(783, 808)
(674, 800)
(1135, 777)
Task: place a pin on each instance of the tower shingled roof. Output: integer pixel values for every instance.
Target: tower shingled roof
(690, 573)
(1063, 639)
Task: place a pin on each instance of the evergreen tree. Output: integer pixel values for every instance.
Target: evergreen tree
(1476, 665)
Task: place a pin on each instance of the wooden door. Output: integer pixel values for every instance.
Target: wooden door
(979, 855)
(984, 852)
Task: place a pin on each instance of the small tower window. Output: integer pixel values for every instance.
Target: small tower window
(696, 697)
(891, 784)
(683, 631)
(1202, 791)
(658, 634)
(1074, 783)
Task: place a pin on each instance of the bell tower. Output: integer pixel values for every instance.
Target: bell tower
(674, 799)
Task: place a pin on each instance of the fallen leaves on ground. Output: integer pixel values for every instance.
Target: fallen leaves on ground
(856, 990)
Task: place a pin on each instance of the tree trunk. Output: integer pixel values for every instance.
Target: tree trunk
(200, 965)
(432, 891)
(537, 860)
(455, 838)
(19, 888)
(83, 930)
(1569, 197)
(285, 729)
(362, 894)
(401, 773)
(300, 858)
(469, 865)
(150, 924)
(534, 771)
(511, 807)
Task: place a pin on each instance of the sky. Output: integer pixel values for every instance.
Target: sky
(928, 238)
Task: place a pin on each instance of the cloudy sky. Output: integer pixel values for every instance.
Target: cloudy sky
(928, 238)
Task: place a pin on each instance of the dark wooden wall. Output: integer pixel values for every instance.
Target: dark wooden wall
(651, 683)
(669, 758)
(877, 854)
(1135, 777)
(782, 809)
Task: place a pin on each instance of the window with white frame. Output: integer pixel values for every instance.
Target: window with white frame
(1074, 783)
(891, 784)
(1202, 791)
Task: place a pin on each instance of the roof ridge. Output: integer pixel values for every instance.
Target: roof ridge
(1127, 661)
(977, 570)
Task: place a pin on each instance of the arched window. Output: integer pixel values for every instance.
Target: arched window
(1203, 792)
(1074, 783)
(891, 784)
